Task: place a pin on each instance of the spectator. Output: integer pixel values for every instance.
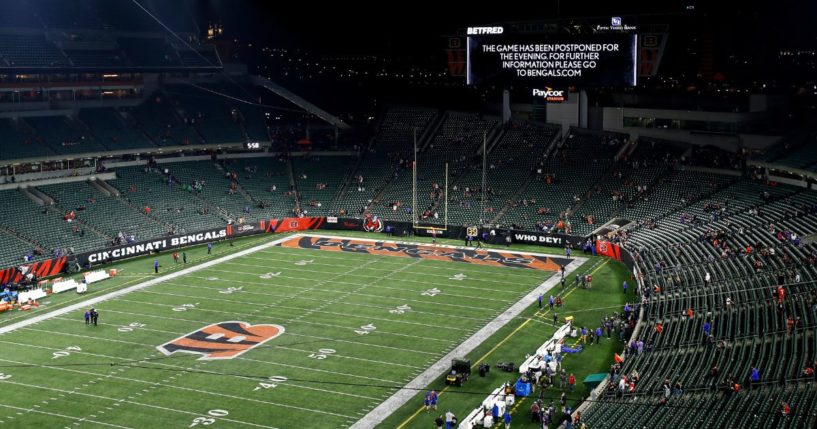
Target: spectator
(755, 377)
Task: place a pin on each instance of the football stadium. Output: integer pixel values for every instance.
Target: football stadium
(239, 215)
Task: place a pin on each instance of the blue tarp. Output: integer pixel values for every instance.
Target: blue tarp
(566, 349)
(522, 388)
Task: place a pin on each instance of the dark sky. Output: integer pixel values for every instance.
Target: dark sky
(338, 27)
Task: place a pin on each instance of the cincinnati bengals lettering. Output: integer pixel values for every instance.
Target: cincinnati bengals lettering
(224, 340)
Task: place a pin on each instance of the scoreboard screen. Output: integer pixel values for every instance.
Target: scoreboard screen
(498, 58)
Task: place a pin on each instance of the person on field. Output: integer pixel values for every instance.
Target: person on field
(449, 419)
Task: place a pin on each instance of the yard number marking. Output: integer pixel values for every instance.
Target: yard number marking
(185, 307)
(322, 354)
(274, 381)
(66, 352)
(131, 327)
(400, 309)
(269, 275)
(365, 329)
(207, 421)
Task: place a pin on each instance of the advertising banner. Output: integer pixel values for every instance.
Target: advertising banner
(47, 268)
(157, 245)
(605, 248)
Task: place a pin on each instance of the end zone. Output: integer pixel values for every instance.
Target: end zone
(489, 257)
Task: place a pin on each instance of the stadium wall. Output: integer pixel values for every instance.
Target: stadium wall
(52, 267)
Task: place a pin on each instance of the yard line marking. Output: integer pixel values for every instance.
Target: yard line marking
(380, 331)
(319, 370)
(364, 344)
(66, 334)
(423, 284)
(293, 308)
(275, 304)
(140, 286)
(326, 312)
(357, 358)
(402, 396)
(98, 291)
(131, 402)
(205, 392)
(62, 416)
(354, 326)
(417, 291)
(449, 285)
(388, 258)
(150, 346)
(338, 299)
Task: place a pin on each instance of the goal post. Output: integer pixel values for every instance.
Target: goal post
(417, 213)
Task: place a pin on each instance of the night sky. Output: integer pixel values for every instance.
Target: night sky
(385, 27)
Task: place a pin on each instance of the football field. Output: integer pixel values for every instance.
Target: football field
(307, 331)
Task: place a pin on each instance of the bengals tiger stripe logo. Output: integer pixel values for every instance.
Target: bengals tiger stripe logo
(224, 340)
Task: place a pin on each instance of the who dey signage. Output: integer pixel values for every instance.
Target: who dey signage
(545, 239)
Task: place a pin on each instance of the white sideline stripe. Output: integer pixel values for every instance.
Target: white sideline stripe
(32, 410)
(402, 396)
(136, 287)
(96, 292)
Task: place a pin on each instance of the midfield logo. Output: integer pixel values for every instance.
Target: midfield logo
(225, 340)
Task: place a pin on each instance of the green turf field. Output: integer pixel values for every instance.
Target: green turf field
(524, 336)
(357, 328)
